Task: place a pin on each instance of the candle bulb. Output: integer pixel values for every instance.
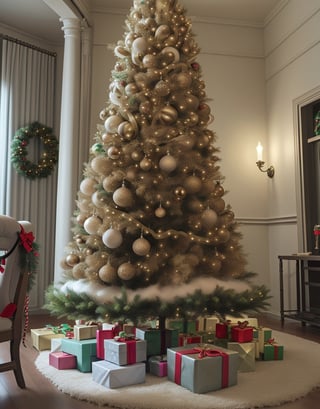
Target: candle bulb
(259, 152)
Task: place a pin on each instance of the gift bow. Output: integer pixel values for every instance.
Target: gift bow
(26, 239)
(270, 341)
(203, 352)
(123, 337)
(243, 324)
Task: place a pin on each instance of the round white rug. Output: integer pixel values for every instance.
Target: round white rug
(271, 384)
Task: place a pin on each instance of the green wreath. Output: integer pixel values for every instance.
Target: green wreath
(19, 151)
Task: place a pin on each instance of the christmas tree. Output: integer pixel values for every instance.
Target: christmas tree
(153, 235)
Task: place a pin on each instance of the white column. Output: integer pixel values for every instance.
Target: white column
(68, 165)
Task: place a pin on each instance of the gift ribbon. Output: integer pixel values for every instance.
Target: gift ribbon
(131, 345)
(202, 353)
(272, 342)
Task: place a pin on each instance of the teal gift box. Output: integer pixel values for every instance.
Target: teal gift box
(85, 352)
(202, 370)
(273, 352)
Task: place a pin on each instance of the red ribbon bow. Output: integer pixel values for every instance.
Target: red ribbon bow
(26, 239)
(270, 341)
(3, 263)
(243, 324)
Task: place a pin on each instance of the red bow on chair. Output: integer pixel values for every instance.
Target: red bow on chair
(26, 239)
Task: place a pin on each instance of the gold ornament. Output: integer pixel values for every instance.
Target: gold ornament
(141, 246)
(146, 164)
(92, 224)
(168, 115)
(160, 212)
(180, 192)
(111, 124)
(209, 218)
(72, 259)
(113, 152)
(126, 271)
(108, 274)
(88, 186)
(168, 163)
(192, 184)
(123, 197)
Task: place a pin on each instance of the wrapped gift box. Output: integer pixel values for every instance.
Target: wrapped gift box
(273, 352)
(41, 338)
(84, 332)
(158, 340)
(183, 326)
(252, 322)
(264, 334)
(202, 370)
(152, 337)
(55, 344)
(125, 352)
(241, 334)
(101, 335)
(85, 351)
(223, 330)
(207, 324)
(157, 365)
(113, 376)
(207, 337)
(62, 360)
(247, 355)
(185, 339)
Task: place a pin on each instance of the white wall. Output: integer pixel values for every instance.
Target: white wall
(292, 46)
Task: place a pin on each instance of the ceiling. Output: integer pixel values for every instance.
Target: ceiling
(36, 18)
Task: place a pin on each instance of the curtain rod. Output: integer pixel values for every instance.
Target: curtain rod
(33, 47)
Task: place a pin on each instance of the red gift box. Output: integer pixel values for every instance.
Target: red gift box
(62, 360)
(189, 339)
(103, 334)
(223, 329)
(241, 332)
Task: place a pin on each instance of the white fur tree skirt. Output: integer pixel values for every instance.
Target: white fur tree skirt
(272, 383)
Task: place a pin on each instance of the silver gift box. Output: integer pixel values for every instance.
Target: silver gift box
(201, 375)
(116, 352)
(247, 355)
(114, 376)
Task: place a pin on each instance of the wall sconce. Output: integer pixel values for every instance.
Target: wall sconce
(260, 162)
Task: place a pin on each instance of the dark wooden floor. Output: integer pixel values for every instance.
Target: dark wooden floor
(41, 394)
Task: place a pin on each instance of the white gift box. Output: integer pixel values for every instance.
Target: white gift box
(114, 376)
(56, 344)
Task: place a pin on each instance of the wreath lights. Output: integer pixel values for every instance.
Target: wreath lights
(19, 151)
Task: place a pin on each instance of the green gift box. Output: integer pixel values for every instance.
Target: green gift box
(183, 326)
(264, 334)
(273, 352)
(154, 338)
(85, 351)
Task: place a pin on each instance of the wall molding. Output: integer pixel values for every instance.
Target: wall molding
(267, 221)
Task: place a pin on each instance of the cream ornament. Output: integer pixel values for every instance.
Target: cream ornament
(168, 163)
(88, 186)
(92, 224)
(112, 238)
(123, 197)
(72, 259)
(126, 271)
(162, 32)
(141, 246)
(113, 152)
(111, 124)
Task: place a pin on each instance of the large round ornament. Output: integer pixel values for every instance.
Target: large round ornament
(172, 53)
(112, 238)
(126, 271)
(92, 224)
(192, 184)
(72, 259)
(168, 115)
(209, 218)
(108, 274)
(111, 124)
(101, 165)
(126, 130)
(123, 197)
(141, 246)
(168, 163)
(145, 164)
(88, 186)
(113, 152)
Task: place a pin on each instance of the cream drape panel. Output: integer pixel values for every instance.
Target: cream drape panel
(27, 95)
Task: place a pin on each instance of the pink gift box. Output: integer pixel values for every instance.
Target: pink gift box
(62, 360)
(158, 366)
(103, 334)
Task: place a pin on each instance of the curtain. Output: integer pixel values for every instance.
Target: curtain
(27, 95)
